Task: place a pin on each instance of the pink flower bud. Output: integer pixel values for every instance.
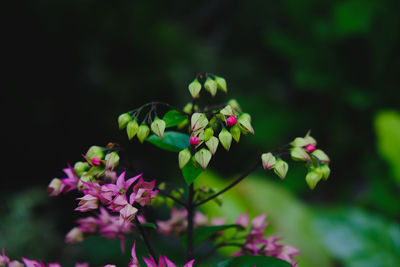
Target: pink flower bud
(194, 141)
(231, 121)
(96, 161)
(310, 148)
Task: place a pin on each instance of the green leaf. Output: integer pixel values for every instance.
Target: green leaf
(150, 225)
(202, 233)
(250, 261)
(173, 118)
(172, 141)
(191, 172)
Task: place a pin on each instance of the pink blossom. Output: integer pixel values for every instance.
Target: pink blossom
(118, 203)
(96, 161)
(194, 141)
(15, 263)
(55, 187)
(243, 220)
(231, 121)
(71, 182)
(32, 263)
(310, 148)
(75, 235)
(87, 202)
(143, 192)
(4, 260)
(176, 223)
(88, 224)
(81, 264)
(128, 213)
(122, 186)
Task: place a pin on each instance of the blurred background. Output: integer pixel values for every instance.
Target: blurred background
(330, 66)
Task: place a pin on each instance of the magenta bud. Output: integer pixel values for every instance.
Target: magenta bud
(310, 148)
(231, 121)
(194, 141)
(96, 161)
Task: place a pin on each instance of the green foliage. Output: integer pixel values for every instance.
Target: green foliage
(251, 261)
(173, 118)
(191, 172)
(172, 141)
(202, 233)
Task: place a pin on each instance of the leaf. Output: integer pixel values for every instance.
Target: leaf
(172, 141)
(250, 261)
(202, 233)
(173, 118)
(191, 172)
(150, 225)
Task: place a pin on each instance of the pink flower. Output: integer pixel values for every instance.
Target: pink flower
(143, 192)
(128, 213)
(32, 263)
(194, 141)
(134, 261)
(4, 260)
(88, 224)
(122, 186)
(310, 148)
(177, 223)
(96, 161)
(16, 263)
(55, 187)
(87, 202)
(81, 264)
(243, 220)
(118, 203)
(231, 121)
(71, 182)
(75, 235)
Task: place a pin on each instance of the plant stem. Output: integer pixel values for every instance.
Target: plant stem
(162, 192)
(238, 180)
(145, 238)
(190, 208)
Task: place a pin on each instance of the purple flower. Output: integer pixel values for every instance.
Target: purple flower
(143, 192)
(4, 260)
(88, 224)
(32, 263)
(71, 182)
(87, 202)
(122, 186)
(128, 213)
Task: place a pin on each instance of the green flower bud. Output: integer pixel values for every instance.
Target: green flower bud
(203, 157)
(235, 105)
(85, 178)
(184, 157)
(310, 140)
(198, 121)
(112, 160)
(281, 168)
(299, 142)
(182, 124)
(319, 154)
(80, 167)
(212, 144)
(188, 108)
(213, 122)
(325, 171)
(268, 160)
(235, 132)
(95, 152)
(225, 138)
(221, 84)
(208, 133)
(132, 128)
(312, 178)
(158, 127)
(143, 132)
(245, 121)
(211, 86)
(227, 111)
(194, 88)
(299, 154)
(123, 120)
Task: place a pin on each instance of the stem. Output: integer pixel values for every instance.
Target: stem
(219, 246)
(190, 208)
(238, 180)
(162, 192)
(145, 238)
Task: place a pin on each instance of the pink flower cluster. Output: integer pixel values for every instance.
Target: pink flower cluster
(256, 244)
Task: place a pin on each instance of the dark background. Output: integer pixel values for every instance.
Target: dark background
(330, 66)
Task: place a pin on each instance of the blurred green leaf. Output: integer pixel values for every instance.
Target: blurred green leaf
(173, 118)
(191, 172)
(150, 225)
(250, 261)
(202, 233)
(387, 127)
(172, 141)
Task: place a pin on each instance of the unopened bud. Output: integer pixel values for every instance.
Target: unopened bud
(211, 86)
(299, 142)
(235, 132)
(320, 155)
(80, 167)
(158, 127)
(184, 157)
(310, 140)
(235, 105)
(95, 152)
(128, 213)
(312, 178)
(208, 133)
(182, 124)
(227, 111)
(212, 144)
(221, 84)
(310, 148)
(132, 128)
(203, 157)
(299, 154)
(325, 171)
(268, 160)
(281, 168)
(194, 88)
(198, 121)
(55, 187)
(74, 236)
(245, 121)
(231, 121)
(123, 120)
(143, 132)
(225, 138)
(188, 108)
(96, 161)
(194, 141)
(112, 160)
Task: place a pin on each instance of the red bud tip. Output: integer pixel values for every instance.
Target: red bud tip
(194, 141)
(310, 148)
(231, 121)
(96, 161)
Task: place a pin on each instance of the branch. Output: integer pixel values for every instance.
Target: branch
(238, 180)
(165, 193)
(145, 238)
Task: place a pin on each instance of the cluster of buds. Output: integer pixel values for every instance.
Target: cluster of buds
(204, 140)
(210, 82)
(257, 244)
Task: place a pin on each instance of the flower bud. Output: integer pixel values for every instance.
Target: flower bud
(188, 108)
(123, 120)
(182, 124)
(87, 178)
(310, 148)
(312, 178)
(208, 133)
(212, 144)
(203, 157)
(74, 235)
(235, 132)
(211, 86)
(55, 187)
(128, 213)
(112, 160)
(132, 128)
(310, 140)
(245, 121)
(299, 142)
(299, 154)
(225, 138)
(221, 84)
(194, 88)
(184, 157)
(143, 132)
(95, 152)
(227, 111)
(194, 141)
(96, 161)
(268, 160)
(80, 167)
(281, 168)
(158, 127)
(198, 121)
(320, 155)
(231, 121)
(325, 171)
(235, 105)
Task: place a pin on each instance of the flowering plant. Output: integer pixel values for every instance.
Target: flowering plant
(116, 200)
